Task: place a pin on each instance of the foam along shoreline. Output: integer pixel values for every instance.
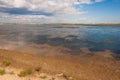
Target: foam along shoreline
(89, 68)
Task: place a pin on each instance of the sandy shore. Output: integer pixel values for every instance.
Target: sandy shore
(97, 67)
(13, 74)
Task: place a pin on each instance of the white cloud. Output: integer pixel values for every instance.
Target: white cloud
(58, 8)
(83, 2)
(55, 6)
(99, 0)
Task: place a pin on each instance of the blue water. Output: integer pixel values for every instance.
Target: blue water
(95, 38)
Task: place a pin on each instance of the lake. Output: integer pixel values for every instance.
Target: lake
(73, 37)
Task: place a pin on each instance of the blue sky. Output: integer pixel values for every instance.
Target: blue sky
(60, 11)
(106, 11)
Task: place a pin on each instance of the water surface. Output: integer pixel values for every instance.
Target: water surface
(95, 38)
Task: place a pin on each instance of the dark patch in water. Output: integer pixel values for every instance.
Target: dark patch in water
(56, 41)
(40, 39)
(73, 43)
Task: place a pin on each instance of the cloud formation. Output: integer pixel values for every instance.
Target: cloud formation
(37, 9)
(98, 0)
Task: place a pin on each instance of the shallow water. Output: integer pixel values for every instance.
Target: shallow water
(95, 38)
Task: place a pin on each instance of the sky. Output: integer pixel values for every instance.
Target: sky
(60, 11)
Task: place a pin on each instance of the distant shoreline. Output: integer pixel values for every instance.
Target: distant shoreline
(60, 24)
(87, 24)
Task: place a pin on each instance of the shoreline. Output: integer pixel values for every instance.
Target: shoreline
(61, 24)
(88, 68)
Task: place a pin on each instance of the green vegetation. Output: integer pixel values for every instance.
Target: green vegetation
(22, 74)
(25, 72)
(43, 77)
(6, 62)
(2, 71)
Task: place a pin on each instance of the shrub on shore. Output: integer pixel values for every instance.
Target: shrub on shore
(25, 72)
(6, 62)
(2, 71)
(43, 77)
(22, 74)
